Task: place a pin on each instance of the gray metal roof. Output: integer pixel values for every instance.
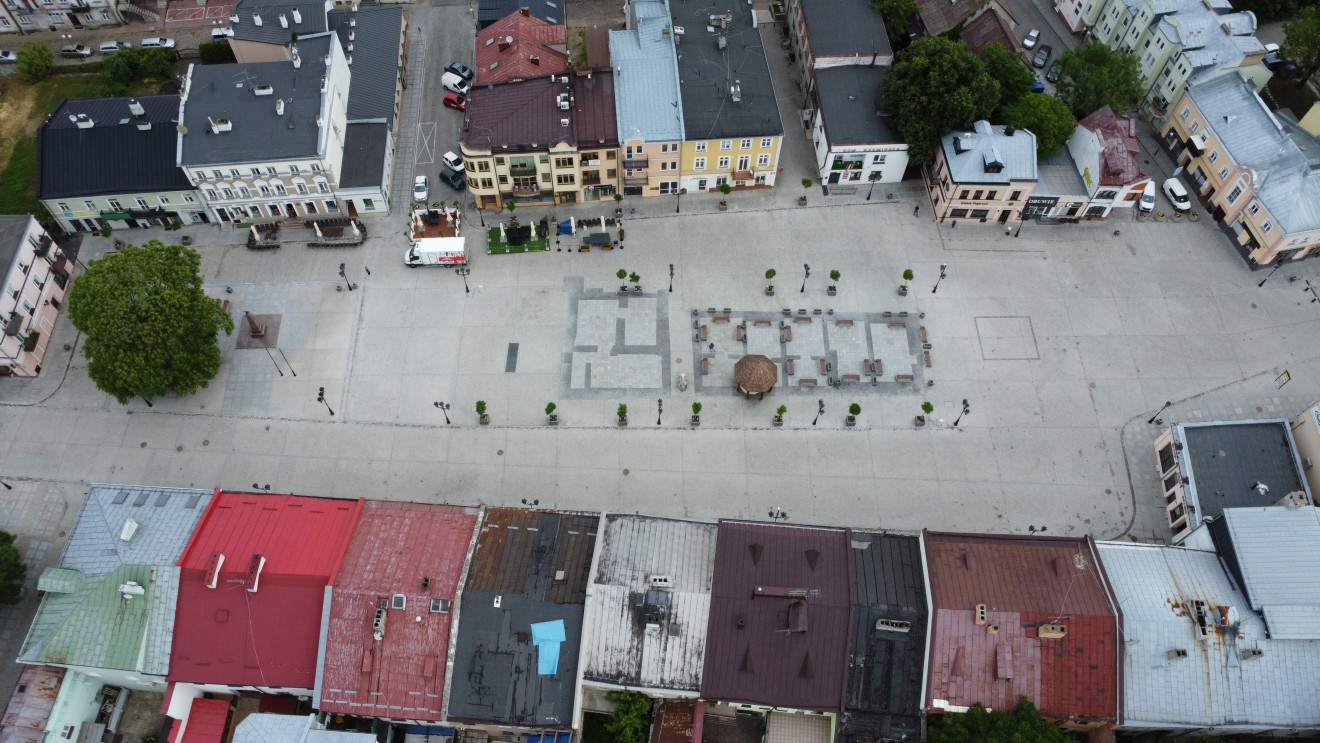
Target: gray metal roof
(845, 28)
(707, 74)
(889, 639)
(265, 727)
(1212, 685)
(218, 92)
(988, 143)
(1225, 460)
(619, 646)
(1273, 551)
(849, 98)
(365, 146)
(376, 37)
(1058, 175)
(1257, 140)
(12, 230)
(310, 20)
(114, 156)
(647, 102)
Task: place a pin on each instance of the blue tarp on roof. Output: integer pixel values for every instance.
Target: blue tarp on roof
(547, 637)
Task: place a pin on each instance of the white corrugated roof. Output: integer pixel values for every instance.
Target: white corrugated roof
(1213, 685)
(1277, 550)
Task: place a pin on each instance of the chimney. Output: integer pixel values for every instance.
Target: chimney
(256, 19)
(297, 16)
(136, 108)
(525, 11)
(284, 21)
(506, 42)
(279, 106)
(534, 60)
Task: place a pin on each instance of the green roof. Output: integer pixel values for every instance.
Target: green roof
(103, 629)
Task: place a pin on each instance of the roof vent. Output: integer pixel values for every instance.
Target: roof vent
(736, 92)
(82, 121)
(297, 16)
(320, 121)
(564, 79)
(563, 122)
(254, 573)
(498, 600)
(506, 42)
(130, 528)
(323, 83)
(969, 560)
(1252, 653)
(262, 90)
(980, 614)
(143, 125)
(279, 106)
(130, 589)
(220, 125)
(213, 568)
(233, 19)
(1009, 130)
(256, 19)
(562, 101)
(1052, 631)
(1176, 654)
(352, 34)
(136, 108)
(740, 622)
(284, 21)
(426, 582)
(893, 625)
(722, 41)
(378, 625)
(992, 629)
(661, 581)
(560, 575)
(400, 602)
(1295, 499)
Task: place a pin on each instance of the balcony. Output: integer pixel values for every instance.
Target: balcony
(522, 171)
(636, 162)
(640, 177)
(43, 246)
(526, 189)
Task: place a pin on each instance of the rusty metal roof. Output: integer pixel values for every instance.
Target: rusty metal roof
(779, 617)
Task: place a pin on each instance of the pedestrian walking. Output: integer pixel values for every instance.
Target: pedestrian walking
(916, 210)
(712, 346)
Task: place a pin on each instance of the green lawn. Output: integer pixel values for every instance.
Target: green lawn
(498, 247)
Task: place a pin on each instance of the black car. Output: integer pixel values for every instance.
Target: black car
(453, 178)
(460, 69)
(1056, 69)
(1042, 56)
(1278, 63)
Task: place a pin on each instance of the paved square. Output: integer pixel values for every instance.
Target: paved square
(619, 342)
(1007, 338)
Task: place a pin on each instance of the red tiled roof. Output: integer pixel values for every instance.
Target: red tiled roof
(1024, 583)
(506, 47)
(781, 603)
(268, 637)
(1121, 152)
(987, 27)
(938, 16)
(395, 547)
(206, 722)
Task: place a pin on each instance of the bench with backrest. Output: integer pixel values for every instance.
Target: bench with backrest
(807, 382)
(788, 367)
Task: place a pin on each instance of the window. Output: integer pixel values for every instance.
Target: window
(1234, 194)
(746, 144)
(1185, 113)
(487, 183)
(699, 163)
(302, 188)
(503, 179)
(441, 606)
(188, 199)
(275, 210)
(744, 162)
(669, 148)
(1195, 125)
(280, 190)
(611, 154)
(115, 205)
(294, 169)
(89, 205)
(767, 143)
(668, 166)
(483, 166)
(1265, 227)
(726, 144)
(199, 175)
(977, 196)
(723, 163)
(256, 172)
(763, 161)
(1223, 172)
(141, 202)
(209, 194)
(878, 159)
(1214, 155)
(270, 170)
(332, 206)
(264, 190)
(544, 159)
(316, 168)
(565, 179)
(400, 601)
(701, 147)
(611, 173)
(1254, 208)
(233, 173)
(499, 161)
(323, 187)
(63, 207)
(1015, 196)
(164, 200)
(563, 162)
(991, 196)
(668, 187)
(244, 193)
(958, 213)
(368, 204)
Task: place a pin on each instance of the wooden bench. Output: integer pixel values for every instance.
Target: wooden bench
(851, 378)
(807, 382)
(801, 318)
(788, 367)
(720, 318)
(741, 334)
(926, 354)
(898, 324)
(824, 367)
(224, 306)
(705, 332)
(842, 323)
(922, 330)
(705, 365)
(902, 377)
(867, 369)
(786, 335)
(763, 322)
(877, 367)
(584, 249)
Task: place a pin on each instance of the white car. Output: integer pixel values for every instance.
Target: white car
(454, 84)
(1147, 202)
(1173, 189)
(221, 34)
(453, 161)
(157, 42)
(8, 56)
(1031, 39)
(421, 189)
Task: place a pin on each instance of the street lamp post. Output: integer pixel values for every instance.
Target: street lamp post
(659, 408)
(1035, 529)
(1277, 265)
(936, 288)
(464, 271)
(1310, 288)
(875, 176)
(778, 514)
(344, 275)
(320, 397)
(806, 274)
(678, 201)
(671, 278)
(820, 410)
(444, 408)
(1156, 417)
(965, 410)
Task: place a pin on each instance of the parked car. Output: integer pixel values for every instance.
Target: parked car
(453, 178)
(460, 69)
(1280, 64)
(8, 56)
(110, 47)
(454, 83)
(74, 51)
(1173, 189)
(453, 161)
(421, 189)
(456, 101)
(1147, 202)
(1042, 56)
(1056, 69)
(157, 42)
(1030, 41)
(221, 34)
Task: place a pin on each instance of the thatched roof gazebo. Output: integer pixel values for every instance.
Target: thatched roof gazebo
(755, 374)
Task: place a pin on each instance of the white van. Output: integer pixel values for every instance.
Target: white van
(157, 42)
(1147, 202)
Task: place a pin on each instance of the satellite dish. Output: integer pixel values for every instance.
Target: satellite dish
(181, 128)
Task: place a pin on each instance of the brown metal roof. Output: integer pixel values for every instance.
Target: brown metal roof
(511, 545)
(1121, 153)
(938, 16)
(526, 116)
(1026, 585)
(780, 614)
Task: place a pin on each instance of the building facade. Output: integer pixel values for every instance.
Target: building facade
(28, 16)
(36, 272)
(647, 102)
(985, 175)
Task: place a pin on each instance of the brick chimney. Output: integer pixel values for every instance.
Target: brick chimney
(505, 43)
(525, 11)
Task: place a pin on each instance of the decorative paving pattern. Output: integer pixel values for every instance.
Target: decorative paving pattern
(617, 343)
(1008, 338)
(812, 350)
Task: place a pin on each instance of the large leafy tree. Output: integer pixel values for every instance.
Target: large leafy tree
(1301, 42)
(896, 14)
(631, 721)
(933, 87)
(1045, 116)
(34, 62)
(150, 328)
(12, 570)
(1014, 77)
(1020, 725)
(1093, 76)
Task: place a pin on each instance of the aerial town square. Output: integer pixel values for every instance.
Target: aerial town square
(670, 371)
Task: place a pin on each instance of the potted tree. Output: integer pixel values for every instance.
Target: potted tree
(623, 414)
(926, 409)
(550, 413)
(725, 189)
(779, 414)
(854, 410)
(696, 414)
(637, 282)
(769, 276)
(481, 412)
(903, 287)
(622, 273)
(834, 277)
(806, 184)
(618, 205)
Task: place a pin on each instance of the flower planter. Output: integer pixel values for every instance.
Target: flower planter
(696, 420)
(623, 290)
(484, 420)
(553, 420)
(623, 421)
(724, 206)
(902, 290)
(802, 201)
(779, 421)
(769, 291)
(832, 290)
(637, 290)
(920, 421)
(851, 421)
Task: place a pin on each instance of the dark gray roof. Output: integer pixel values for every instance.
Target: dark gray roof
(884, 677)
(845, 27)
(113, 156)
(849, 98)
(218, 92)
(311, 20)
(706, 74)
(1228, 459)
(489, 11)
(12, 229)
(364, 155)
(376, 37)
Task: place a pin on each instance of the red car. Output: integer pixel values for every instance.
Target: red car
(456, 101)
